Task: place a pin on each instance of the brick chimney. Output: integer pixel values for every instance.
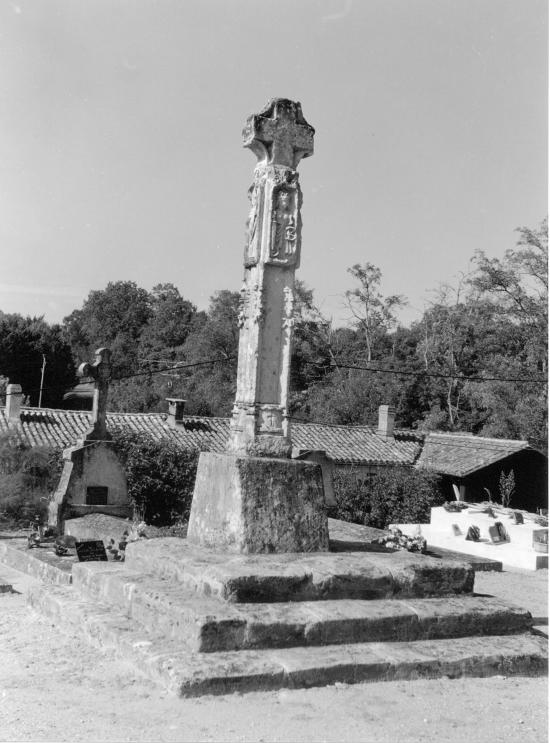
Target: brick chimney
(176, 407)
(14, 399)
(386, 421)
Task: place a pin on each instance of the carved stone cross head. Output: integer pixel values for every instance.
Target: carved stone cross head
(279, 134)
(100, 370)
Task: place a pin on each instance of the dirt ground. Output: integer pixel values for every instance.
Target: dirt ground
(53, 687)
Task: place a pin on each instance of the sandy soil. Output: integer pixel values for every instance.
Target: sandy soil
(53, 687)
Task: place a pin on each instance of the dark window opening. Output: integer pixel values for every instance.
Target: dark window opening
(96, 495)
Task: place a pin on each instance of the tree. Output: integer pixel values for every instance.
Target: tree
(209, 388)
(518, 284)
(25, 342)
(167, 327)
(448, 347)
(113, 317)
(516, 288)
(374, 314)
(311, 355)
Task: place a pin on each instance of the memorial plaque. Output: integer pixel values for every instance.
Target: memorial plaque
(498, 533)
(473, 534)
(92, 550)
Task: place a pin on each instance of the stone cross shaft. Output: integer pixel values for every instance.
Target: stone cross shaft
(280, 137)
(100, 371)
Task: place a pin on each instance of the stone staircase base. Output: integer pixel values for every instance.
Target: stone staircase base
(189, 673)
(200, 622)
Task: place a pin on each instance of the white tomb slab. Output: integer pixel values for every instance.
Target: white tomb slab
(518, 552)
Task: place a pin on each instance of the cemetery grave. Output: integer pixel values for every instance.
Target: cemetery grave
(515, 538)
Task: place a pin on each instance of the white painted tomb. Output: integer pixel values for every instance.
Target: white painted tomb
(517, 552)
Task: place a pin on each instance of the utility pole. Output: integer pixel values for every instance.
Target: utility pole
(42, 380)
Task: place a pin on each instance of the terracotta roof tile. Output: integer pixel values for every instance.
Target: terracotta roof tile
(460, 455)
(451, 454)
(343, 444)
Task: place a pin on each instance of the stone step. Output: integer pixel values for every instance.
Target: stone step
(299, 577)
(193, 674)
(40, 562)
(210, 625)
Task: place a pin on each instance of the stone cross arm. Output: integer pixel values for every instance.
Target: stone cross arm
(279, 134)
(100, 370)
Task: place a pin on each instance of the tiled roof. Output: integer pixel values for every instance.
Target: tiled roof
(460, 455)
(357, 444)
(343, 444)
(450, 454)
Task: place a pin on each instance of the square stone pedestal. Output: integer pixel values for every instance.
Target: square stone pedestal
(258, 505)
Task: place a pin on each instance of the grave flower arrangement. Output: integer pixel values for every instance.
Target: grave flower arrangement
(455, 506)
(398, 541)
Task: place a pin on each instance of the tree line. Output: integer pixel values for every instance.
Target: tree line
(475, 361)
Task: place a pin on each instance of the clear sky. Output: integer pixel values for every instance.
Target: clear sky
(121, 156)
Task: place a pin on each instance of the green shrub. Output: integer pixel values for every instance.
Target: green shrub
(160, 476)
(395, 495)
(28, 475)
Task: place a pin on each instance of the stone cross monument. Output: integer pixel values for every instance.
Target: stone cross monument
(280, 137)
(254, 498)
(93, 478)
(100, 371)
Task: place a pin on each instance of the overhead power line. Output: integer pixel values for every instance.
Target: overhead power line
(458, 377)
(180, 366)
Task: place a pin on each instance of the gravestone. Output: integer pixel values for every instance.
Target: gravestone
(91, 550)
(254, 498)
(93, 479)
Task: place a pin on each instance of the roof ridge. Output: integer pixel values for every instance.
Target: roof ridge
(347, 426)
(476, 437)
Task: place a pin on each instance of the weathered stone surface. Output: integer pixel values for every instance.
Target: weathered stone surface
(192, 674)
(346, 537)
(474, 615)
(299, 577)
(280, 137)
(211, 625)
(202, 624)
(40, 562)
(97, 526)
(255, 505)
(426, 576)
(240, 503)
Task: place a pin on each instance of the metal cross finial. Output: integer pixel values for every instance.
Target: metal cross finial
(100, 371)
(279, 134)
